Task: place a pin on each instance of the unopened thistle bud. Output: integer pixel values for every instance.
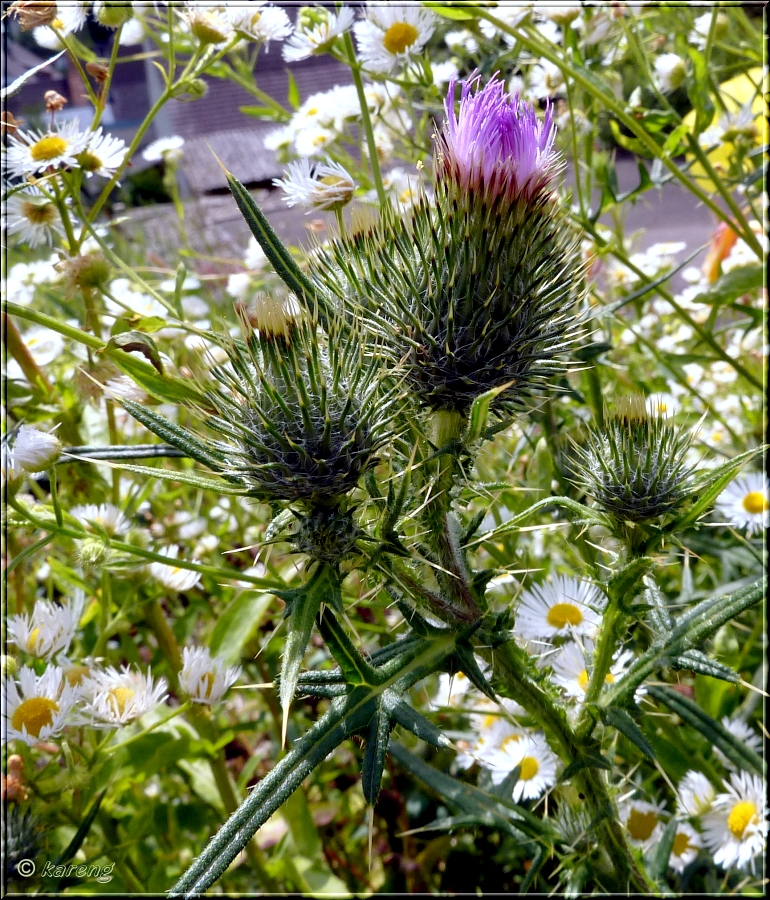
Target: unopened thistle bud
(634, 464)
(475, 291)
(300, 415)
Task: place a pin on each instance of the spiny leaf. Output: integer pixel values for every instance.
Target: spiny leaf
(480, 411)
(355, 669)
(696, 661)
(375, 753)
(662, 853)
(717, 735)
(408, 718)
(620, 719)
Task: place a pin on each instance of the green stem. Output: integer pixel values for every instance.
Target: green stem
(104, 91)
(202, 720)
(508, 660)
(76, 62)
(366, 121)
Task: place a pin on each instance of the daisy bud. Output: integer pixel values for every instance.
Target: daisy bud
(92, 552)
(633, 464)
(209, 27)
(205, 678)
(670, 71)
(54, 101)
(475, 290)
(113, 13)
(33, 13)
(35, 451)
(193, 89)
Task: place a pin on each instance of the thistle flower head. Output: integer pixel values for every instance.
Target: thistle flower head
(496, 143)
(634, 464)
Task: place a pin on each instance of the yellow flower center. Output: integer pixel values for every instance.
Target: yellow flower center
(255, 18)
(756, 503)
(400, 36)
(332, 180)
(640, 824)
(89, 162)
(313, 111)
(319, 140)
(32, 639)
(488, 721)
(48, 147)
(38, 213)
(529, 768)
(209, 679)
(681, 844)
(121, 697)
(562, 614)
(582, 679)
(34, 714)
(512, 738)
(741, 816)
(76, 674)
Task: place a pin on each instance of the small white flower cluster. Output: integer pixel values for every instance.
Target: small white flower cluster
(36, 152)
(325, 117)
(496, 742)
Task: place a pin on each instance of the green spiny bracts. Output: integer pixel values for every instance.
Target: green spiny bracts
(476, 290)
(634, 465)
(302, 412)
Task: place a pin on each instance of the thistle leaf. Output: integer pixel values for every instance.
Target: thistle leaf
(696, 661)
(618, 718)
(375, 753)
(355, 669)
(405, 716)
(302, 605)
(173, 434)
(662, 853)
(716, 734)
(283, 262)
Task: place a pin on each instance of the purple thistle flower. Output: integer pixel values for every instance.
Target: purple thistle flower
(496, 144)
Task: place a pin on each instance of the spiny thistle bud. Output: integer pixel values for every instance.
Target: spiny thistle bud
(634, 464)
(305, 417)
(475, 291)
(301, 415)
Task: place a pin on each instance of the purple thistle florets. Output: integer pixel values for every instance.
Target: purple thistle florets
(496, 144)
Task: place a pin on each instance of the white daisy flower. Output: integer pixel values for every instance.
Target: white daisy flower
(392, 34)
(572, 663)
(313, 140)
(510, 14)
(687, 843)
(268, 23)
(254, 258)
(320, 186)
(562, 14)
(32, 216)
(670, 72)
(643, 822)
(279, 138)
(695, 794)
(174, 577)
(112, 698)
(10, 474)
(317, 36)
(564, 606)
(745, 502)
(49, 630)
(103, 155)
(205, 677)
(538, 764)
(31, 152)
(736, 827)
(208, 23)
(37, 708)
(35, 451)
(545, 80)
(106, 516)
(745, 734)
(44, 346)
(165, 149)
(132, 33)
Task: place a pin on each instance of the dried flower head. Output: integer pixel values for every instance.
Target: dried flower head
(634, 464)
(54, 101)
(32, 13)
